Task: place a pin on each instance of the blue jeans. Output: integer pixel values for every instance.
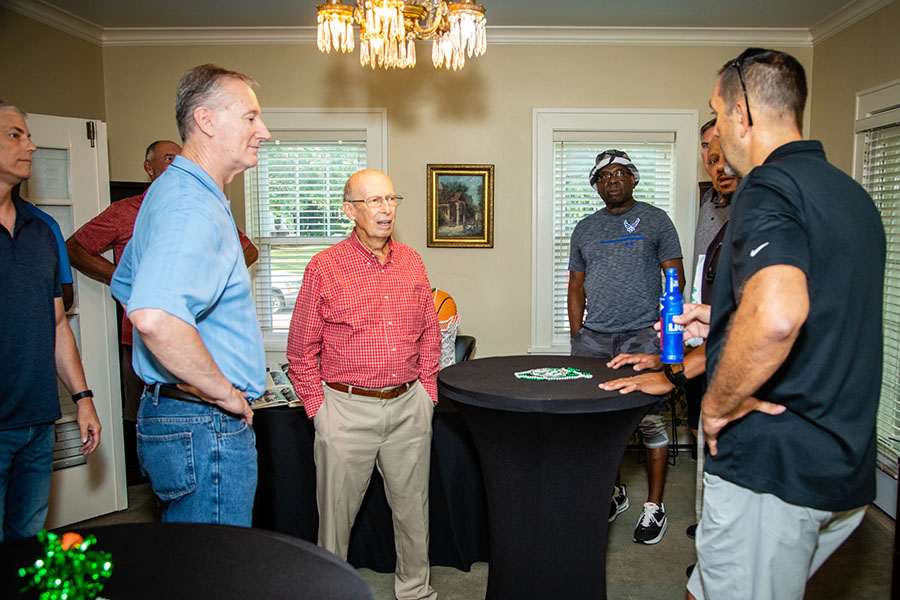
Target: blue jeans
(201, 461)
(26, 465)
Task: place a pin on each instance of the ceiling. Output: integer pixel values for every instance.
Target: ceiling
(769, 14)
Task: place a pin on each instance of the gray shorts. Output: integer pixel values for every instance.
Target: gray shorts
(755, 546)
(608, 345)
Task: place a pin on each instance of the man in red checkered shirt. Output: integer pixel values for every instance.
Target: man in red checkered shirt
(364, 345)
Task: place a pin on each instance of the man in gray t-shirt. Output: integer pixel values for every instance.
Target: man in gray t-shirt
(614, 272)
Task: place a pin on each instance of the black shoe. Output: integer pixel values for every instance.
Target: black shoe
(651, 527)
(690, 570)
(691, 531)
(619, 502)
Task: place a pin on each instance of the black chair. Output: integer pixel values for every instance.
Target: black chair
(465, 345)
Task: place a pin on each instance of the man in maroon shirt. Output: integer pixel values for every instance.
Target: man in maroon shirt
(112, 229)
(364, 345)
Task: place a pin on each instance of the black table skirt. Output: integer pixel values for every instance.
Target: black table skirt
(550, 451)
(286, 495)
(189, 560)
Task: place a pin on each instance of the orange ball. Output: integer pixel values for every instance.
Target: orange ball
(443, 304)
(70, 539)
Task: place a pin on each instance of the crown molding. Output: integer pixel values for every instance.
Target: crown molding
(843, 18)
(50, 15)
(651, 36)
(207, 36)
(57, 18)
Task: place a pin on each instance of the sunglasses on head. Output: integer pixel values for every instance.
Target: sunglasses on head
(738, 63)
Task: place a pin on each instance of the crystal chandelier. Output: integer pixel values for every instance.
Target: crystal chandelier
(388, 30)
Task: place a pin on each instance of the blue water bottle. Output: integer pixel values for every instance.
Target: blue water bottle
(671, 304)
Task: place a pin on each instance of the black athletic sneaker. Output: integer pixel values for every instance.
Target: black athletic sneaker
(619, 502)
(652, 525)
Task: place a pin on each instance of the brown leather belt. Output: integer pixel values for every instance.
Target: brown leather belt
(382, 394)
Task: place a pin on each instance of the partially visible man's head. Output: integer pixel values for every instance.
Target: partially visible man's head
(374, 224)
(724, 179)
(159, 156)
(16, 147)
(707, 133)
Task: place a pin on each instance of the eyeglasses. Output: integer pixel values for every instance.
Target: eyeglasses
(738, 63)
(377, 201)
(618, 174)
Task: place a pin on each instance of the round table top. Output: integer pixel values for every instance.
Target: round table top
(492, 383)
(193, 560)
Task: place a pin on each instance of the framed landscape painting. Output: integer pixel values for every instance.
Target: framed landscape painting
(460, 206)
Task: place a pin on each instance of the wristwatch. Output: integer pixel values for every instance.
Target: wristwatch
(675, 374)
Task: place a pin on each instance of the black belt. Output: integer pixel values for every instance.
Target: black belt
(176, 393)
(382, 394)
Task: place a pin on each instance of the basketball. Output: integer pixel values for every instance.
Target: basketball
(443, 304)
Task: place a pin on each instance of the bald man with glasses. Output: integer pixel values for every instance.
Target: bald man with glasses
(363, 347)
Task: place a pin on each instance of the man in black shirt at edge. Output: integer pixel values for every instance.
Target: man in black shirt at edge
(794, 347)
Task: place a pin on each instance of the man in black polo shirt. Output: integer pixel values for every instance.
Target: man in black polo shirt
(36, 344)
(794, 347)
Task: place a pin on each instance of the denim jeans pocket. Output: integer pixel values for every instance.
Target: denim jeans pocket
(168, 460)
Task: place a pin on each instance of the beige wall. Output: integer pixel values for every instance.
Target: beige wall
(862, 56)
(49, 72)
(482, 114)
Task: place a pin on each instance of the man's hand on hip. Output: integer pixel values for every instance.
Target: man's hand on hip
(712, 425)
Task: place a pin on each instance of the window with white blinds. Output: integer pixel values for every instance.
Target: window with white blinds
(574, 198)
(881, 178)
(298, 189)
(294, 197)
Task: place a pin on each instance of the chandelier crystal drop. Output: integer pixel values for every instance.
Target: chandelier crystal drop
(388, 30)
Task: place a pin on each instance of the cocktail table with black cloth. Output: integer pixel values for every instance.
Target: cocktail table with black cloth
(286, 493)
(549, 451)
(192, 560)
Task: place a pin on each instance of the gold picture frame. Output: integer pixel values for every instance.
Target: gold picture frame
(460, 206)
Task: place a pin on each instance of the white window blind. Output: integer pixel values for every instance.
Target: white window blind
(881, 178)
(574, 198)
(295, 193)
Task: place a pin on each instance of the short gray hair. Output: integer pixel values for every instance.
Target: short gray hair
(198, 87)
(13, 107)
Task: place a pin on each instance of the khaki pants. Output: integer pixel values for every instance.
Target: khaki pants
(353, 433)
(755, 546)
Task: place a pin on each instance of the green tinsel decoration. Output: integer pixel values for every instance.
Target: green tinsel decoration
(74, 574)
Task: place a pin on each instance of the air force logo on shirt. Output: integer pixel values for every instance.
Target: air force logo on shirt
(631, 227)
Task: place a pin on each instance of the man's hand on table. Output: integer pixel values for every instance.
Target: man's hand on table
(641, 362)
(655, 384)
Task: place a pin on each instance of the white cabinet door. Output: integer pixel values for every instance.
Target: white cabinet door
(70, 180)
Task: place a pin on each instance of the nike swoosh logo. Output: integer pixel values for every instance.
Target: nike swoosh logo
(756, 250)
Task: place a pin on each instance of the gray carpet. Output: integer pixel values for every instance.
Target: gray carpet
(860, 569)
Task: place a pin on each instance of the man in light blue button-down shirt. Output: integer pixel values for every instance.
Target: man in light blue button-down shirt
(197, 343)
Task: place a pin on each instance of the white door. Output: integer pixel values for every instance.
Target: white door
(70, 180)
